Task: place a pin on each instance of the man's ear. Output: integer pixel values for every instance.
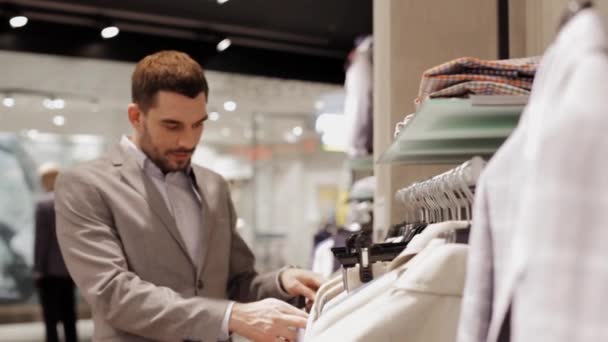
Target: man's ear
(135, 115)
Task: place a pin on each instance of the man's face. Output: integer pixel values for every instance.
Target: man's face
(170, 130)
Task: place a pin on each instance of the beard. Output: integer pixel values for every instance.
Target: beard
(161, 158)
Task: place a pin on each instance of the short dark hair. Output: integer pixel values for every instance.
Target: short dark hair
(169, 71)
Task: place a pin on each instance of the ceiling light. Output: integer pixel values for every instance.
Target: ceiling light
(110, 32)
(297, 131)
(319, 105)
(59, 103)
(8, 102)
(224, 44)
(221, 2)
(214, 116)
(18, 21)
(32, 133)
(329, 122)
(331, 127)
(49, 103)
(230, 106)
(59, 120)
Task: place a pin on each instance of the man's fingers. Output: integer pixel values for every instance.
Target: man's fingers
(292, 310)
(293, 321)
(315, 280)
(305, 291)
(287, 333)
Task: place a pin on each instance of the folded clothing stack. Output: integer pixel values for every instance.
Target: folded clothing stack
(468, 75)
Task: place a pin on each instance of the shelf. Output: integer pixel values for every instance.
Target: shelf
(361, 163)
(452, 131)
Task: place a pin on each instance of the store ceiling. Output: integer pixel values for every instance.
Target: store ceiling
(306, 39)
(334, 23)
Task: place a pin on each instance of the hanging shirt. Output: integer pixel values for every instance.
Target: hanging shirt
(538, 240)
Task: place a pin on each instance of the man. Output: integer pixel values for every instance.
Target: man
(55, 286)
(150, 238)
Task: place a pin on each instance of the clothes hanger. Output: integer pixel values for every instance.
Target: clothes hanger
(442, 199)
(468, 196)
(450, 190)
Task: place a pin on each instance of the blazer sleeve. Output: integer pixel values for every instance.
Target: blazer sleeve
(244, 283)
(42, 237)
(94, 256)
(478, 292)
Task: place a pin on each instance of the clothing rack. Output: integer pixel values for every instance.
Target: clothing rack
(448, 196)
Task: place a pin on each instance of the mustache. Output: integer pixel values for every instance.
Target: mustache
(182, 150)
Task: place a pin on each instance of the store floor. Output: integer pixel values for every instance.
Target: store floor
(34, 332)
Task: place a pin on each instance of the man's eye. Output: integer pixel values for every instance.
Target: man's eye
(172, 127)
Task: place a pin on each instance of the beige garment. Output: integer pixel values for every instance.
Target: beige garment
(125, 253)
(422, 306)
(420, 241)
(353, 280)
(327, 296)
(371, 292)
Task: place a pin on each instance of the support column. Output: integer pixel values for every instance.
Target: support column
(411, 36)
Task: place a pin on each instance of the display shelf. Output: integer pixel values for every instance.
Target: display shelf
(361, 163)
(452, 131)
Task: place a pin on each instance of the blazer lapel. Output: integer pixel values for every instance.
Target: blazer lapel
(134, 176)
(208, 219)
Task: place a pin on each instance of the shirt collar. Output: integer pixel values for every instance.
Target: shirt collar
(129, 147)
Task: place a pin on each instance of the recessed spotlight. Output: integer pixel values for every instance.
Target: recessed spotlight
(49, 103)
(59, 103)
(221, 2)
(59, 120)
(8, 102)
(224, 44)
(319, 105)
(32, 133)
(110, 32)
(18, 21)
(230, 106)
(214, 116)
(297, 131)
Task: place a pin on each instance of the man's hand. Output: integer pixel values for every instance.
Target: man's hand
(298, 282)
(268, 320)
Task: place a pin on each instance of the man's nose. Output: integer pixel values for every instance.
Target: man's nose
(188, 140)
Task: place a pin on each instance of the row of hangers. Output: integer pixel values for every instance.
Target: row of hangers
(448, 196)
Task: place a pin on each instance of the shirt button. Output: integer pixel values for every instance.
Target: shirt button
(200, 285)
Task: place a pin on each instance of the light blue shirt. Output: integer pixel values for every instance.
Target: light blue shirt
(184, 204)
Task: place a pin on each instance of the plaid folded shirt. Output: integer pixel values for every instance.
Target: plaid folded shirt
(479, 88)
(513, 72)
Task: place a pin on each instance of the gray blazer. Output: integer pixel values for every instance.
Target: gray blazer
(127, 257)
(47, 255)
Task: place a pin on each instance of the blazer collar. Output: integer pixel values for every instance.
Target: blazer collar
(134, 176)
